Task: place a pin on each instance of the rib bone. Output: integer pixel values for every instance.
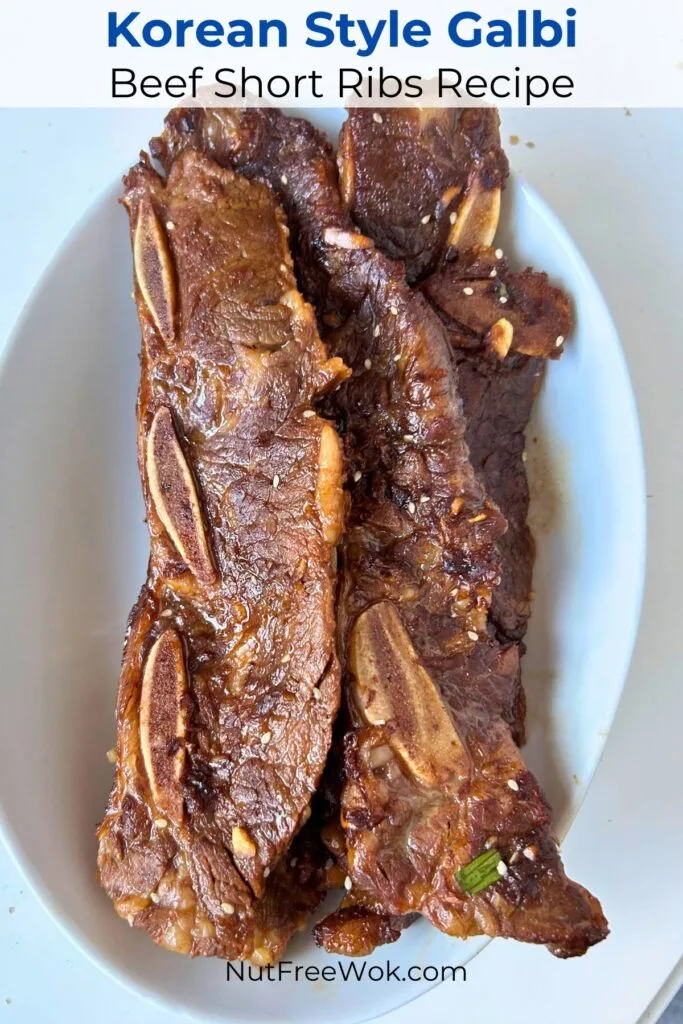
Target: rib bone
(329, 495)
(175, 496)
(154, 271)
(392, 686)
(162, 722)
(477, 219)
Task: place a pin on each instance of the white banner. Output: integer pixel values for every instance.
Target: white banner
(119, 53)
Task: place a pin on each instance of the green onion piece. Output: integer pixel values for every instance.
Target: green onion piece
(481, 872)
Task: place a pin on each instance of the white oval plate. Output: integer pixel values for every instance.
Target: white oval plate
(73, 551)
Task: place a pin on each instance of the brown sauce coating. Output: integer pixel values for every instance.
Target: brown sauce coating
(230, 679)
(406, 176)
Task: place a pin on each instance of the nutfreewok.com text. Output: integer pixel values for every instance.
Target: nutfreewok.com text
(341, 970)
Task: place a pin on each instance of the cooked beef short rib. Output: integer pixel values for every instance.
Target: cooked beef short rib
(230, 680)
(494, 317)
(433, 776)
(421, 180)
(498, 386)
(503, 326)
(491, 315)
(498, 400)
(473, 290)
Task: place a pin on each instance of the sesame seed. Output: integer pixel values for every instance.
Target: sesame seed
(377, 118)
(154, 896)
(453, 217)
(515, 857)
(478, 519)
(409, 437)
(111, 755)
(514, 785)
(245, 255)
(472, 635)
(393, 310)
(276, 481)
(379, 722)
(499, 254)
(160, 822)
(283, 268)
(308, 413)
(287, 658)
(347, 883)
(357, 476)
(284, 179)
(368, 364)
(426, 219)
(227, 908)
(503, 299)
(292, 862)
(170, 226)
(524, 456)
(316, 693)
(329, 863)
(560, 341)
(397, 357)
(494, 273)
(468, 291)
(266, 872)
(412, 507)
(376, 331)
(266, 738)
(529, 852)
(502, 868)
(132, 295)
(424, 499)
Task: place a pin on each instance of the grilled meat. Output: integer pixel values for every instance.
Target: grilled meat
(433, 779)
(495, 318)
(230, 680)
(421, 180)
